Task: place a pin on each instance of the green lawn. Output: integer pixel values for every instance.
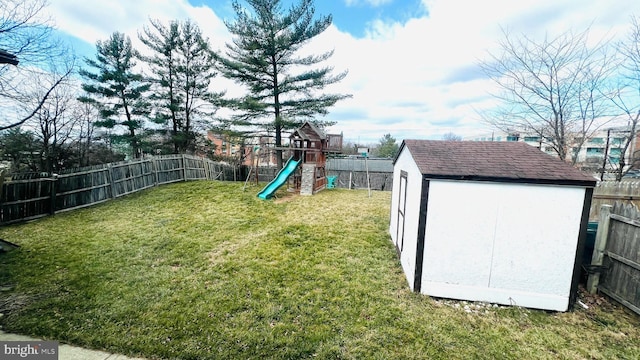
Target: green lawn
(205, 270)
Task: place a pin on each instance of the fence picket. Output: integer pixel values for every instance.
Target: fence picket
(608, 192)
(620, 278)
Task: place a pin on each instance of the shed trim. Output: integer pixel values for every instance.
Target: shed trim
(397, 155)
(422, 227)
(404, 177)
(582, 240)
(568, 182)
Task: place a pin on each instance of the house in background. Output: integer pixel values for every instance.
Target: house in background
(224, 144)
(499, 222)
(606, 143)
(249, 151)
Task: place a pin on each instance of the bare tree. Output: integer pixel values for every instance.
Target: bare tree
(53, 123)
(451, 137)
(555, 89)
(85, 116)
(627, 100)
(27, 34)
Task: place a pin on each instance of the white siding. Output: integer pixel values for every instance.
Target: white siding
(460, 233)
(406, 163)
(505, 243)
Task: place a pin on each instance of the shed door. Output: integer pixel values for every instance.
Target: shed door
(402, 204)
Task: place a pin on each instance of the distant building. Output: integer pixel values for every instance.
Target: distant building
(245, 150)
(260, 149)
(591, 156)
(224, 145)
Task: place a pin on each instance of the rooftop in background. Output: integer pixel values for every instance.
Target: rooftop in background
(486, 160)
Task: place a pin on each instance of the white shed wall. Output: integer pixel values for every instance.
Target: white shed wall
(405, 162)
(505, 243)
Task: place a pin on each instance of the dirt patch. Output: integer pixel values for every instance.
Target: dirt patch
(593, 301)
(286, 198)
(12, 302)
(231, 247)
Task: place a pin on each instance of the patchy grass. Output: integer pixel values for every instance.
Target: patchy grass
(205, 270)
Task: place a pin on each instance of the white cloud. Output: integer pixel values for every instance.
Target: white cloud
(373, 3)
(97, 20)
(433, 60)
(417, 79)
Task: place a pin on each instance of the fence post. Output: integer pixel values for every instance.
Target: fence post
(154, 166)
(602, 235)
(110, 180)
(2, 174)
(184, 168)
(52, 189)
(205, 165)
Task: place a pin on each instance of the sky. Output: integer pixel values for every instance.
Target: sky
(412, 65)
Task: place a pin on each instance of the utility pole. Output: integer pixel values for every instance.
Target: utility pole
(606, 153)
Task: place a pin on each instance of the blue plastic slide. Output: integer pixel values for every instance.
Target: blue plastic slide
(280, 179)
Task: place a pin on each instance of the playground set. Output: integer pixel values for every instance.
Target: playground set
(305, 170)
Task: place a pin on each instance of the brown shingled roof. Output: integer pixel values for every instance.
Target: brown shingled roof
(486, 160)
(308, 131)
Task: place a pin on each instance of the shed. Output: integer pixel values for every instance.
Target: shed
(500, 222)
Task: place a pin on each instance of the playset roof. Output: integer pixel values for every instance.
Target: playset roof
(309, 131)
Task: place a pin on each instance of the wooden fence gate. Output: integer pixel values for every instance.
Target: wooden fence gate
(617, 255)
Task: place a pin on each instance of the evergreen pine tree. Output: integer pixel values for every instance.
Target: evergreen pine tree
(387, 147)
(283, 87)
(116, 89)
(182, 67)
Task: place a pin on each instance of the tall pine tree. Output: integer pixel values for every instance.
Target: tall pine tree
(116, 89)
(182, 67)
(283, 86)
(163, 62)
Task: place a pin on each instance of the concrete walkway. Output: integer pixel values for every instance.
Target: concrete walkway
(68, 352)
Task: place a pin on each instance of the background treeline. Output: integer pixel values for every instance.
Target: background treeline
(163, 95)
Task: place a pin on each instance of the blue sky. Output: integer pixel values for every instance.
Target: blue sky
(351, 16)
(413, 64)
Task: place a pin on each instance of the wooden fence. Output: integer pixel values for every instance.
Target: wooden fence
(616, 255)
(349, 173)
(608, 192)
(352, 173)
(29, 197)
(358, 179)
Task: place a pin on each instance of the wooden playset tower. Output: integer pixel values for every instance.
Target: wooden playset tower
(311, 145)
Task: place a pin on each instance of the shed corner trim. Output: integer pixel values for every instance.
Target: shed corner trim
(422, 225)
